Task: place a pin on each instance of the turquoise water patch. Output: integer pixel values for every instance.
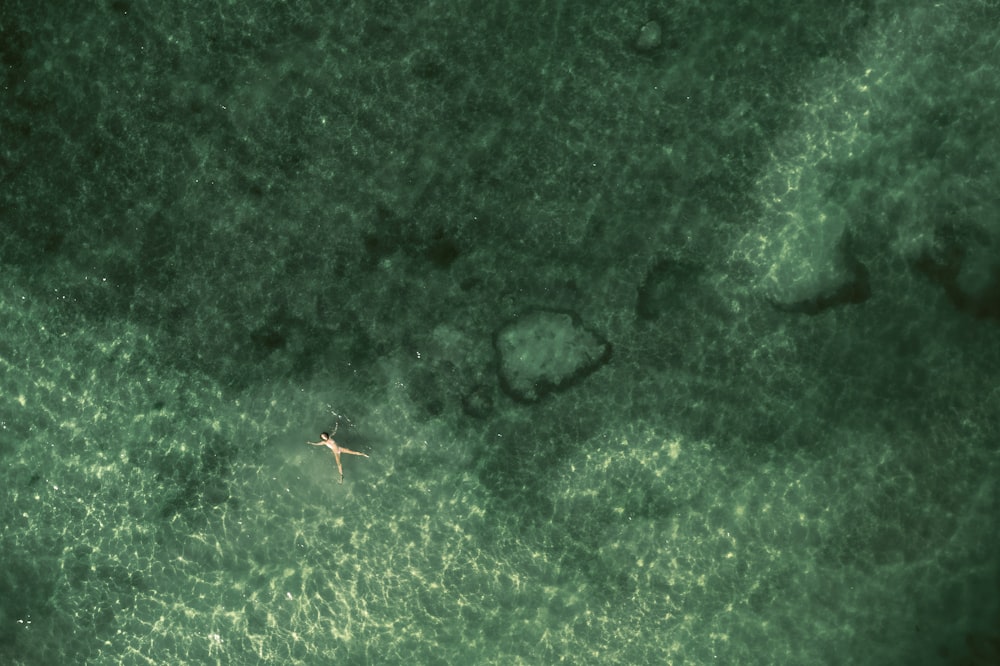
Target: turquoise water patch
(149, 516)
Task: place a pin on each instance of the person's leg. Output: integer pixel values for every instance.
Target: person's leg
(340, 468)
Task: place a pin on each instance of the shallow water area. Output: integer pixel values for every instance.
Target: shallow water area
(226, 233)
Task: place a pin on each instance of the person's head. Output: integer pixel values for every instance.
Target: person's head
(324, 436)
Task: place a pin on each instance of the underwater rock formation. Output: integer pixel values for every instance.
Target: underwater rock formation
(544, 351)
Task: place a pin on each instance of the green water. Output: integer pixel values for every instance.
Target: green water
(228, 226)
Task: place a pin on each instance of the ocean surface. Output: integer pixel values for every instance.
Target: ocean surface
(228, 226)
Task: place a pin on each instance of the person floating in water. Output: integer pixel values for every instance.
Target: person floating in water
(326, 439)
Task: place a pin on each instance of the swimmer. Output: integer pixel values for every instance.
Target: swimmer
(326, 439)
